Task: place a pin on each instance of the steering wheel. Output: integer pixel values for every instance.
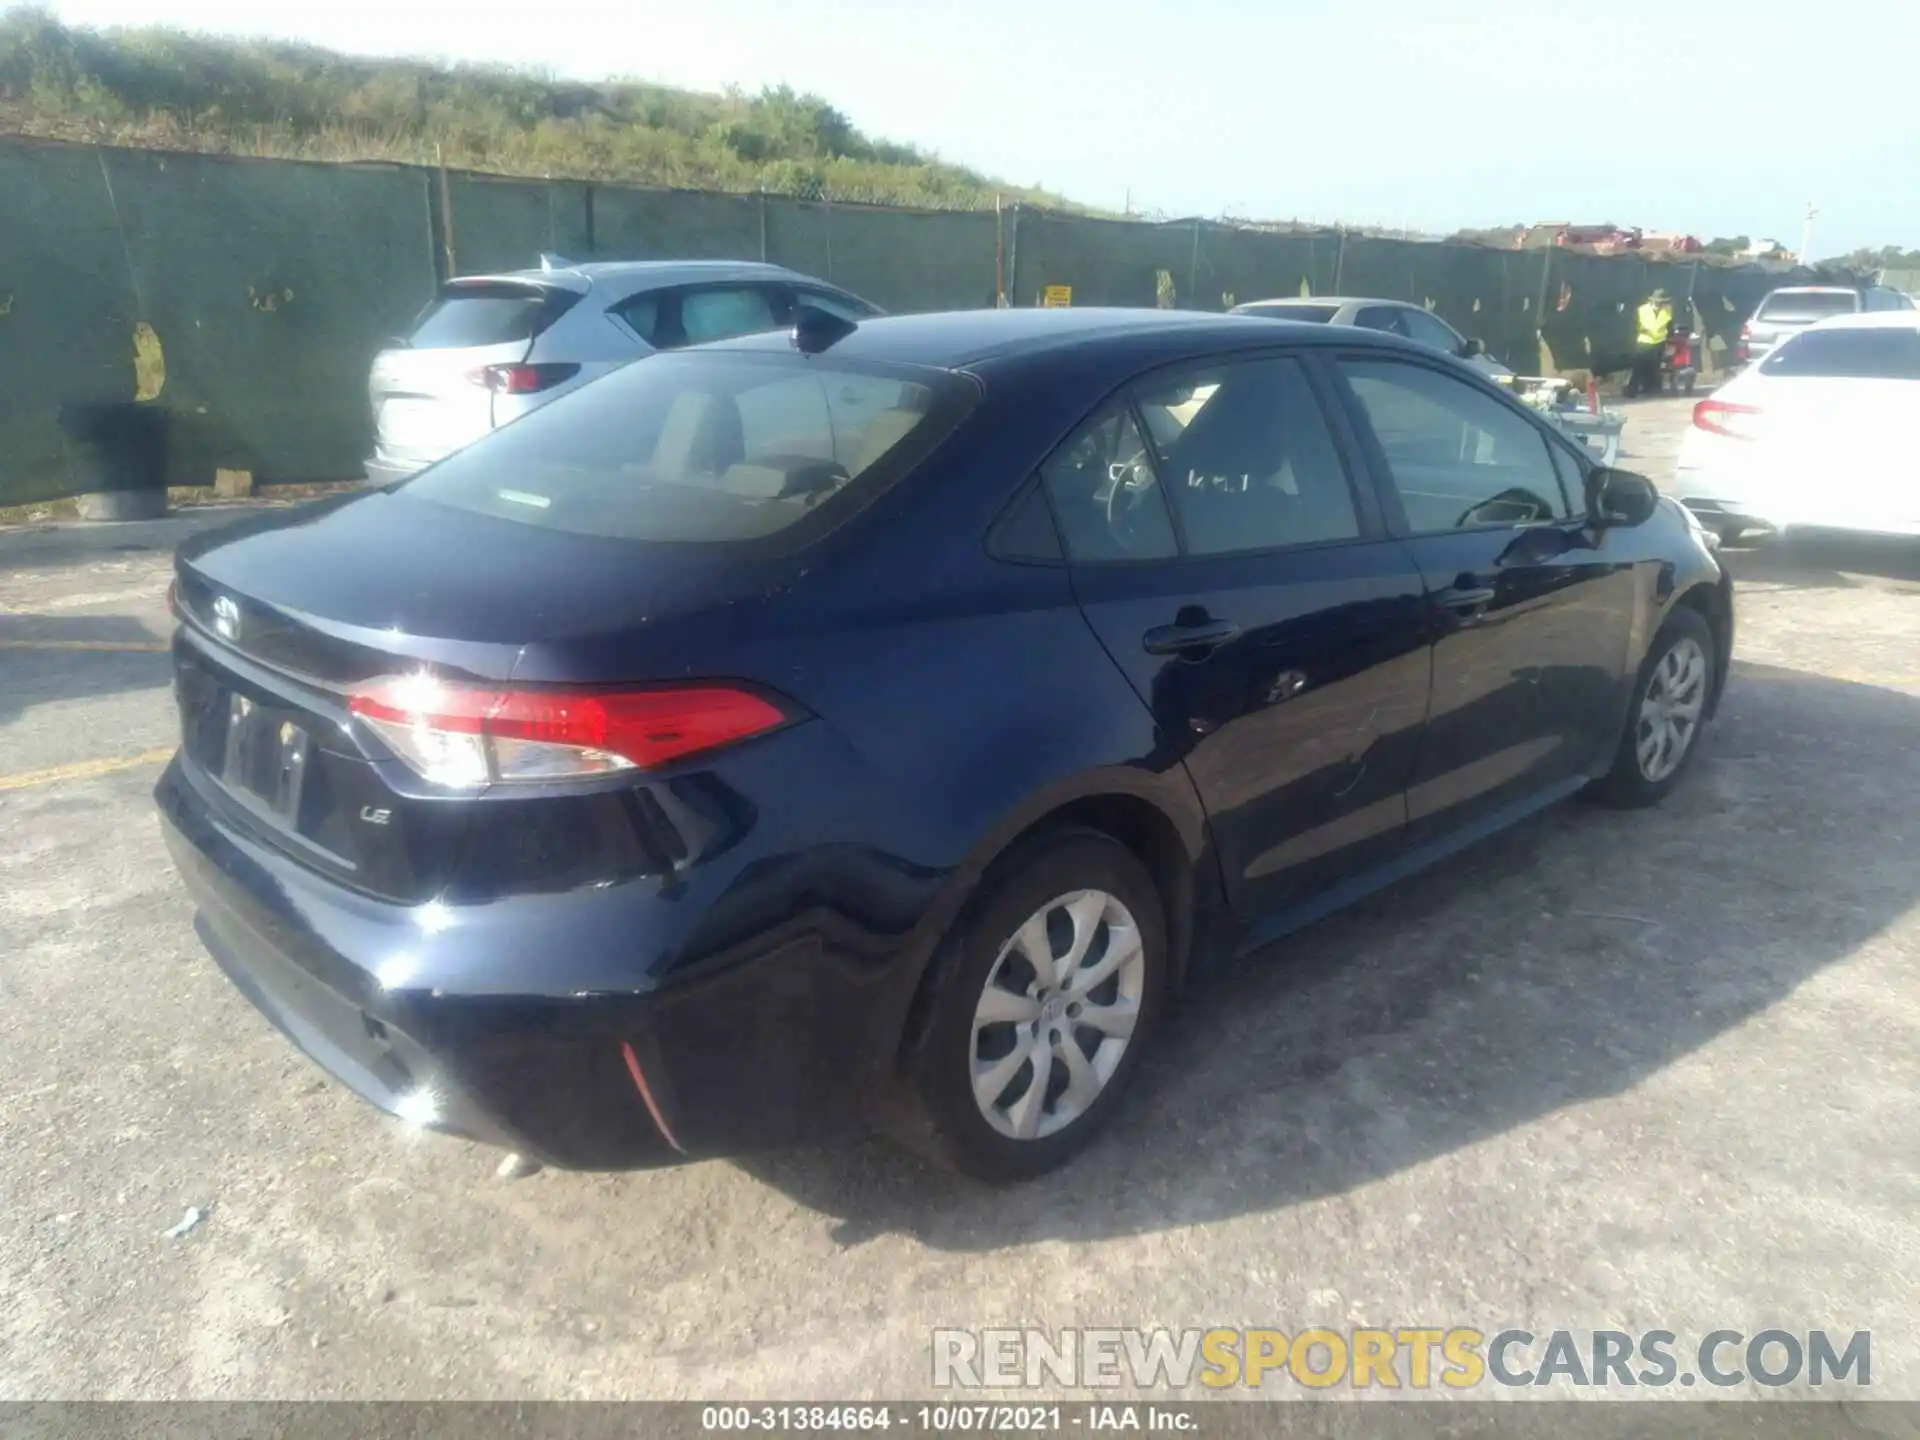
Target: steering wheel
(1130, 482)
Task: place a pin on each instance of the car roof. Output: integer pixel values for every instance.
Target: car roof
(1871, 320)
(1333, 302)
(640, 274)
(1817, 290)
(962, 339)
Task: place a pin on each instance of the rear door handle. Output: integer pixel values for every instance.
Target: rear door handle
(1176, 639)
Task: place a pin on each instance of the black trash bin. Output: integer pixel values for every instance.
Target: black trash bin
(117, 451)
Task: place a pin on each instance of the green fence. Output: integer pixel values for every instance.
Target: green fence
(231, 306)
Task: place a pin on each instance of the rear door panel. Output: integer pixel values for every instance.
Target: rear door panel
(1300, 725)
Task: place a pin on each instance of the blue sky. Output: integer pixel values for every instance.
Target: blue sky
(1428, 114)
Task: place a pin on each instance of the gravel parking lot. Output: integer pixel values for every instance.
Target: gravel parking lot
(1639, 1071)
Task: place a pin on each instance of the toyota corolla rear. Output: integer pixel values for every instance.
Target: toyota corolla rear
(488, 781)
(1818, 435)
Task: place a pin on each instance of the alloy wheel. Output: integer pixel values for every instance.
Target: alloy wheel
(1057, 1014)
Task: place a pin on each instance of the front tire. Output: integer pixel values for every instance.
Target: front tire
(1041, 1002)
(1667, 716)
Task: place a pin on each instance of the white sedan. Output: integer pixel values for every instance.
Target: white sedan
(1819, 435)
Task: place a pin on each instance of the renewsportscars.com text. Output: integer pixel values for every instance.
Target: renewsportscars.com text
(1403, 1358)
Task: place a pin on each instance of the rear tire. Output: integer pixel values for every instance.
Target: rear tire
(1017, 1065)
(1667, 715)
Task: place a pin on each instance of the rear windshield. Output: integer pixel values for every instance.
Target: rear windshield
(1319, 314)
(1808, 305)
(1849, 354)
(712, 447)
(466, 316)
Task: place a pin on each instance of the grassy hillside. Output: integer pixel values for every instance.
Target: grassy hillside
(161, 89)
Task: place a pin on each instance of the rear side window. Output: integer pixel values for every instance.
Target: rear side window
(470, 316)
(724, 314)
(1807, 305)
(1106, 496)
(694, 448)
(1848, 354)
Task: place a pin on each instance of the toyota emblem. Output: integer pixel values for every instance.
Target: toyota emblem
(226, 618)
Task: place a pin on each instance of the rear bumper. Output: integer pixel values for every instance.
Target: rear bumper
(787, 1040)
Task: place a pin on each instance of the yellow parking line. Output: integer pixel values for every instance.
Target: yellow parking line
(84, 769)
(141, 647)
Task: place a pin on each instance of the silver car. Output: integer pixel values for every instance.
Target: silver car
(1396, 317)
(1792, 308)
(490, 348)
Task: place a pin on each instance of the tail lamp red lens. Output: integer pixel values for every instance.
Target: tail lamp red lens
(1722, 417)
(468, 736)
(522, 379)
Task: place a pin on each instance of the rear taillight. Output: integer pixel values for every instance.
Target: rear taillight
(468, 736)
(522, 379)
(1740, 351)
(1722, 417)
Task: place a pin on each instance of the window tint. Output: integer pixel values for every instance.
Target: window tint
(1382, 317)
(1892, 354)
(1458, 458)
(1313, 314)
(642, 314)
(700, 448)
(1106, 497)
(1429, 330)
(1573, 483)
(835, 305)
(1803, 305)
(472, 315)
(1253, 464)
(722, 314)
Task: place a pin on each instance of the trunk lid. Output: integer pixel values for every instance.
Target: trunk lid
(284, 617)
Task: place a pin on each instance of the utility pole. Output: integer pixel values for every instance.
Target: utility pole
(1806, 232)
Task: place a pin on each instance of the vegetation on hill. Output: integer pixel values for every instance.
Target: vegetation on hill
(163, 89)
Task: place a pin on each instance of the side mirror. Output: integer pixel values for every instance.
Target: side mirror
(1620, 497)
(1472, 349)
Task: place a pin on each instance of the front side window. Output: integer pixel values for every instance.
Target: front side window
(1248, 458)
(1382, 317)
(1458, 458)
(837, 306)
(1429, 330)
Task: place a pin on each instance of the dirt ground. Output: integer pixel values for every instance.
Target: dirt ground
(1656, 1070)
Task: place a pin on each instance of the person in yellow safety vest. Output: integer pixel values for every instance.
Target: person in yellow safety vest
(1654, 319)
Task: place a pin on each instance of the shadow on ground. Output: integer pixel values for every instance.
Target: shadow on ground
(45, 658)
(1567, 960)
(1823, 562)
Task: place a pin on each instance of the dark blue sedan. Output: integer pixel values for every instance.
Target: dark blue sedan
(885, 722)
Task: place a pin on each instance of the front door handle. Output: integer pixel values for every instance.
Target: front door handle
(1178, 639)
(1467, 600)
